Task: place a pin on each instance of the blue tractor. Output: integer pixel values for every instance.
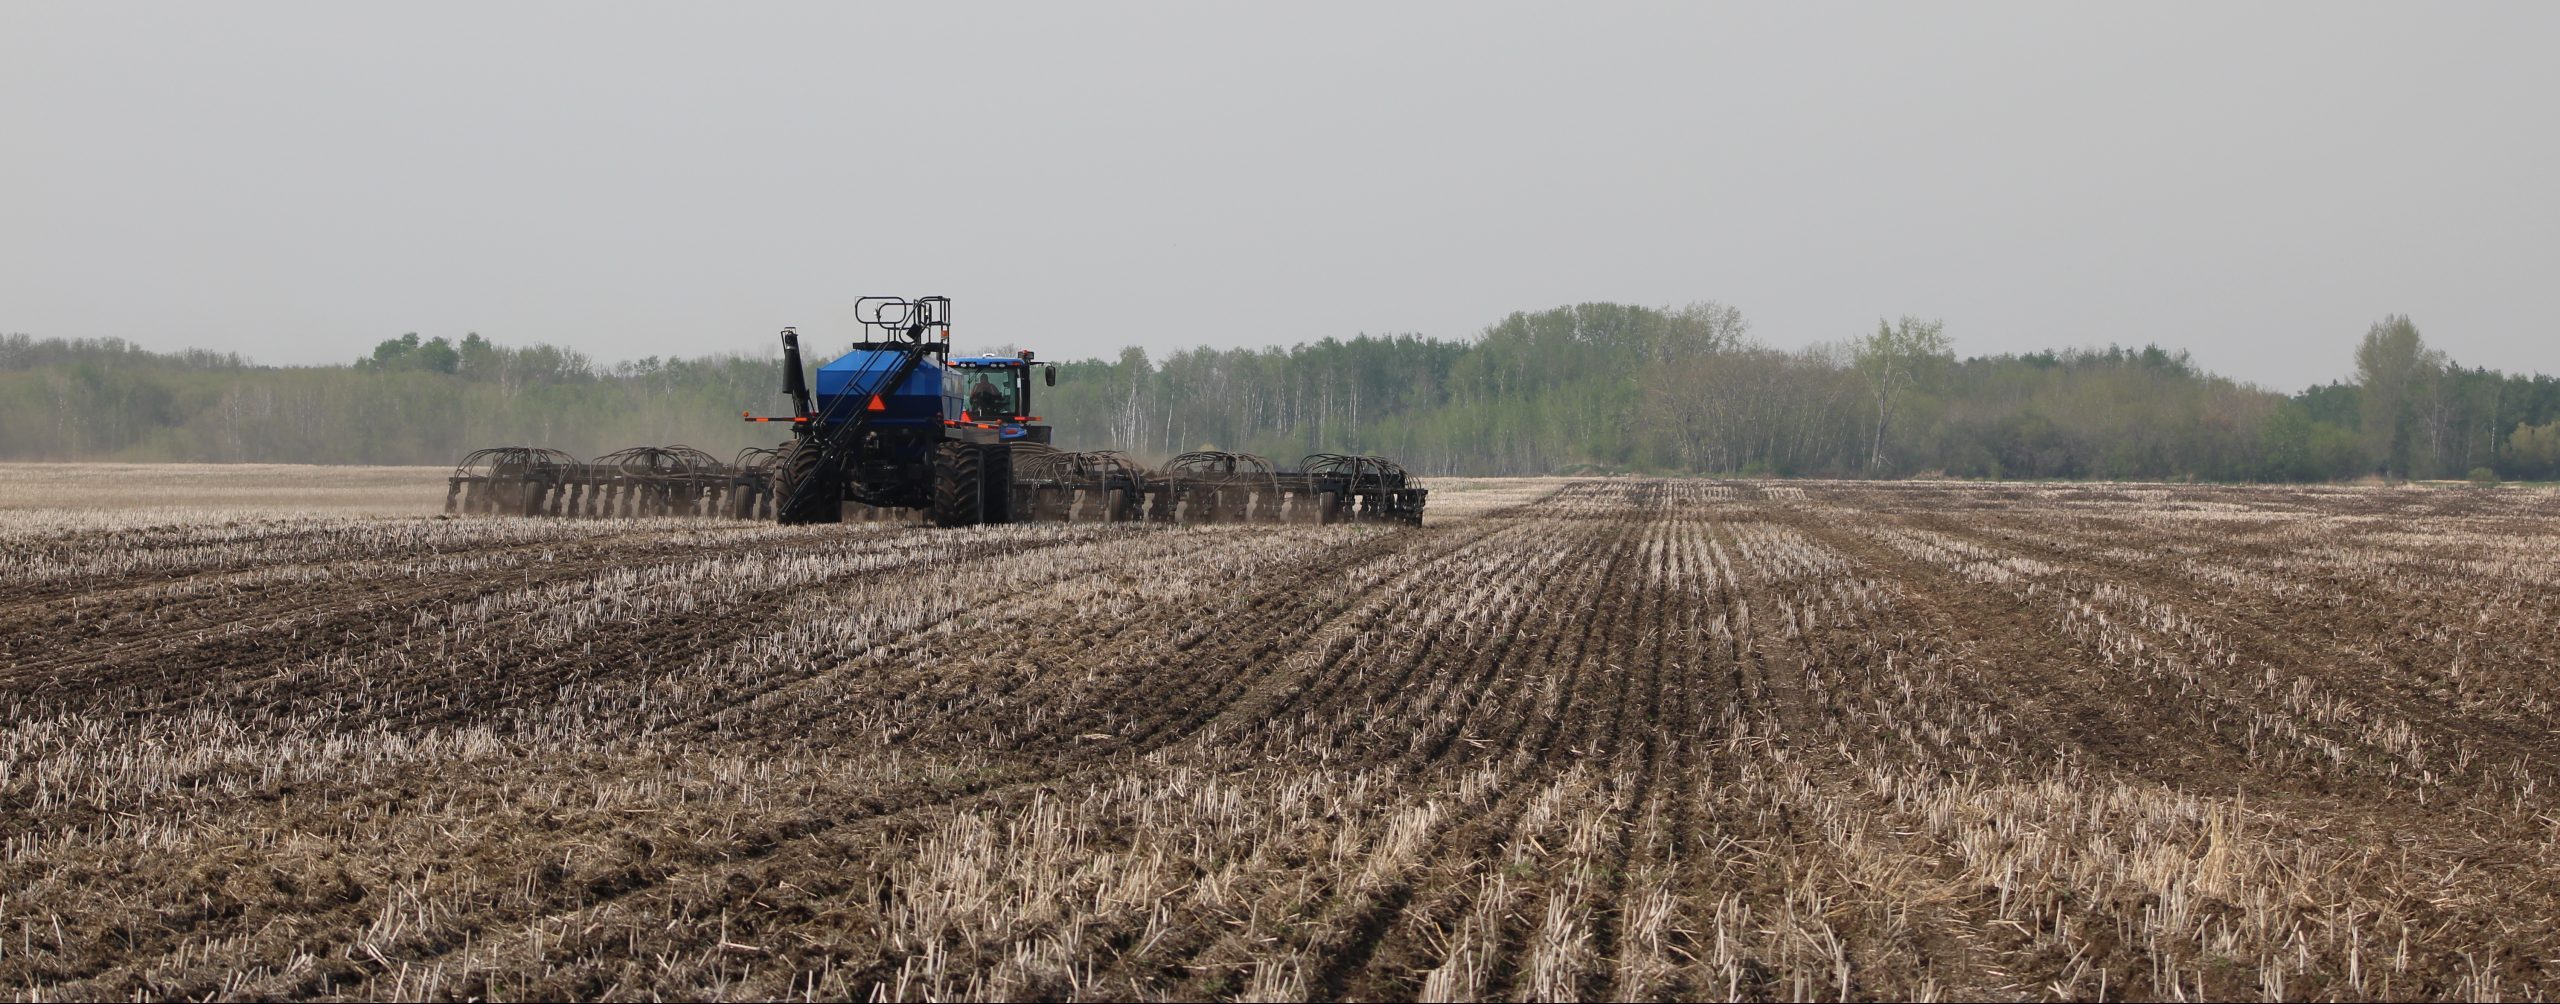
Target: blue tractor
(898, 422)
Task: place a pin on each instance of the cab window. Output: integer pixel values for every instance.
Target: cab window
(988, 394)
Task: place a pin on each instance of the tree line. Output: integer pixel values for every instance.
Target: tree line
(1615, 387)
(409, 402)
(1589, 387)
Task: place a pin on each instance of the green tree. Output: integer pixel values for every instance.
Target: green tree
(2396, 370)
(436, 356)
(393, 353)
(479, 358)
(1891, 361)
(2533, 451)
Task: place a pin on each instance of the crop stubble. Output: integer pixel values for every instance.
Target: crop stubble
(1578, 739)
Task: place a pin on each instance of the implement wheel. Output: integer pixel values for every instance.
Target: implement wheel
(802, 492)
(959, 485)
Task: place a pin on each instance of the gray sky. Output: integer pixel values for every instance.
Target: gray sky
(2255, 183)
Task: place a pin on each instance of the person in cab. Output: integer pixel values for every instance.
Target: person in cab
(987, 401)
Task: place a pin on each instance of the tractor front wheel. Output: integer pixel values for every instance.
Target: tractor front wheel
(959, 485)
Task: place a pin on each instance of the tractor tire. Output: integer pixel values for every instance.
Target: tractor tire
(995, 494)
(959, 485)
(803, 493)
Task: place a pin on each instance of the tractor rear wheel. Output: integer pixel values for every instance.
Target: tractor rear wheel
(959, 485)
(802, 492)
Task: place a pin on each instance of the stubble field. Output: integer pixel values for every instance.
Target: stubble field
(1600, 739)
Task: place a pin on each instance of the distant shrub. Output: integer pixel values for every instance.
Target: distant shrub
(2483, 477)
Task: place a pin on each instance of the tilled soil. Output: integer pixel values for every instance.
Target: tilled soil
(1619, 740)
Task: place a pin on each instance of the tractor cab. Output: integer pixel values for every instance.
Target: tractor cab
(990, 397)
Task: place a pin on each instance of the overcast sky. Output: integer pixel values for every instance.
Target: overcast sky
(2254, 183)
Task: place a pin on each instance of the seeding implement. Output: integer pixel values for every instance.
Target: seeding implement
(897, 424)
(641, 481)
(1211, 487)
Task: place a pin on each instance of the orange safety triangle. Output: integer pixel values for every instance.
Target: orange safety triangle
(875, 404)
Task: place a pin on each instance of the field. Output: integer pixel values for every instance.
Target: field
(1599, 739)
